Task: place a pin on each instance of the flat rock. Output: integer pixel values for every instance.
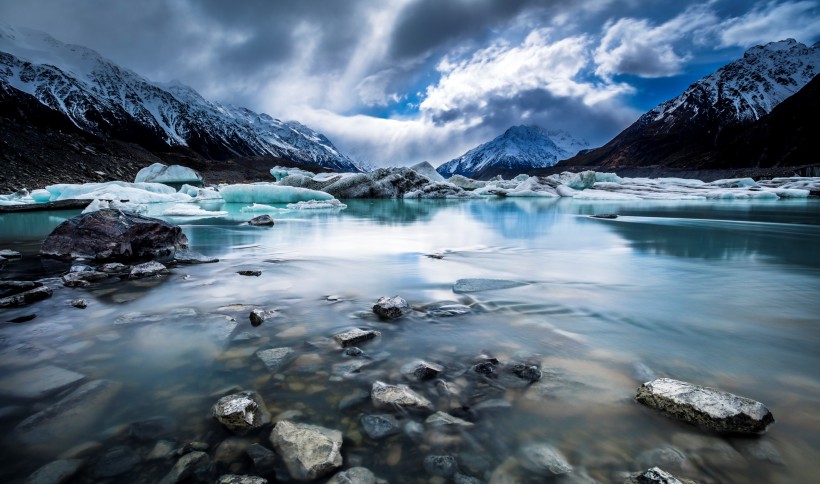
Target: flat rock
(39, 382)
(236, 479)
(277, 358)
(398, 396)
(148, 269)
(441, 419)
(115, 268)
(390, 307)
(264, 459)
(65, 420)
(606, 216)
(187, 256)
(111, 234)
(420, 370)
(116, 461)
(261, 221)
(27, 297)
(478, 285)
(380, 426)
(354, 475)
(705, 407)
(56, 472)
(241, 412)
(544, 459)
(309, 451)
(188, 465)
(355, 336)
(152, 429)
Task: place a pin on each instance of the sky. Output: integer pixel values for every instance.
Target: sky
(395, 82)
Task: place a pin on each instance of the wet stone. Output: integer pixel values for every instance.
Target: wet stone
(358, 397)
(148, 269)
(761, 450)
(39, 382)
(194, 464)
(354, 475)
(22, 319)
(79, 303)
(27, 297)
(705, 407)
(152, 428)
(398, 396)
(655, 475)
(309, 451)
(241, 412)
(230, 450)
(116, 461)
(441, 419)
(440, 465)
(249, 273)
(380, 426)
(355, 336)
(56, 472)
(420, 370)
(353, 351)
(460, 478)
(530, 373)
(478, 285)
(235, 479)
(261, 221)
(486, 367)
(264, 459)
(448, 310)
(666, 457)
(391, 307)
(187, 256)
(349, 368)
(606, 216)
(115, 268)
(276, 358)
(259, 316)
(161, 450)
(544, 459)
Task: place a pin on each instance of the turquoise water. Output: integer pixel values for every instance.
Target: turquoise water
(717, 293)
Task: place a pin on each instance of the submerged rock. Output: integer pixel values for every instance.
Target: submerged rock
(264, 459)
(148, 269)
(390, 307)
(440, 465)
(420, 370)
(194, 463)
(116, 460)
(187, 256)
(39, 382)
(83, 278)
(56, 472)
(705, 407)
(111, 234)
(355, 336)
(10, 254)
(27, 297)
(249, 273)
(398, 396)
(261, 221)
(606, 216)
(530, 373)
(235, 479)
(544, 459)
(259, 316)
(380, 426)
(309, 451)
(151, 429)
(478, 285)
(79, 303)
(354, 475)
(276, 358)
(241, 412)
(441, 419)
(655, 475)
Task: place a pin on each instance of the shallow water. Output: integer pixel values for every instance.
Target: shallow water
(716, 293)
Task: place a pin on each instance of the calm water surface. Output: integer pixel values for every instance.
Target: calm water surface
(723, 294)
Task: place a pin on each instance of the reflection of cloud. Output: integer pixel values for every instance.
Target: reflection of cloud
(517, 219)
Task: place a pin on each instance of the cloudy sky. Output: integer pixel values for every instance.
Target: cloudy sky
(394, 82)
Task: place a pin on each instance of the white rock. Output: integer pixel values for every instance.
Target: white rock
(394, 396)
(241, 412)
(309, 451)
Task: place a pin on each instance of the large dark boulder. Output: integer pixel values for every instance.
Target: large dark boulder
(113, 235)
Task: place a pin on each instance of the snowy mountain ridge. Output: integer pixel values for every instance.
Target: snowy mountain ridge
(746, 89)
(520, 147)
(110, 101)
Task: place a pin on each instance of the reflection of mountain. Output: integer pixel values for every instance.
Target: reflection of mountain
(722, 240)
(395, 211)
(517, 219)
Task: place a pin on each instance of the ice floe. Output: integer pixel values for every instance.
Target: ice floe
(317, 205)
(280, 172)
(269, 193)
(160, 173)
(117, 190)
(188, 210)
(259, 207)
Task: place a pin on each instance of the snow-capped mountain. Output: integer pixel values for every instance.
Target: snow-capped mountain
(684, 131)
(519, 148)
(110, 101)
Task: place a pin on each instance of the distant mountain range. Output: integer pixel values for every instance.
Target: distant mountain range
(110, 102)
(520, 148)
(710, 125)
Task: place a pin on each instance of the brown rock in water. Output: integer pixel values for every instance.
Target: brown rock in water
(113, 235)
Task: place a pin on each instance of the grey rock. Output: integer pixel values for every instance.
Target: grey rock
(380, 426)
(441, 465)
(10, 254)
(27, 297)
(161, 450)
(18, 286)
(544, 459)
(530, 373)
(441, 419)
(115, 268)
(70, 416)
(353, 351)
(187, 256)
(116, 460)
(705, 407)
(667, 457)
(235, 479)
(148, 269)
(420, 370)
(83, 279)
(309, 451)
(38, 383)
(264, 459)
(241, 412)
(354, 475)
(478, 285)
(608, 216)
(249, 273)
(113, 234)
(655, 475)
(708, 449)
(56, 472)
(151, 429)
(460, 478)
(390, 307)
(349, 369)
(355, 336)
(398, 396)
(186, 466)
(261, 221)
(81, 268)
(79, 303)
(276, 358)
(230, 450)
(259, 316)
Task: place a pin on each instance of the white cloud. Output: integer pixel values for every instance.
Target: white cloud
(504, 71)
(635, 46)
(771, 22)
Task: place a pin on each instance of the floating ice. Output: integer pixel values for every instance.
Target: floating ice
(270, 193)
(478, 285)
(98, 204)
(280, 172)
(317, 205)
(440, 189)
(41, 195)
(117, 190)
(159, 173)
(187, 210)
(259, 207)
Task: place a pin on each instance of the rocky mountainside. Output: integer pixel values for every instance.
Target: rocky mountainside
(688, 131)
(113, 103)
(520, 148)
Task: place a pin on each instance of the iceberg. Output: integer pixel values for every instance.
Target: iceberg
(466, 183)
(426, 169)
(98, 204)
(117, 190)
(259, 207)
(270, 193)
(317, 205)
(159, 173)
(280, 172)
(41, 196)
(440, 189)
(187, 210)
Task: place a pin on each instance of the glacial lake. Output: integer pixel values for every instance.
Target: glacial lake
(723, 294)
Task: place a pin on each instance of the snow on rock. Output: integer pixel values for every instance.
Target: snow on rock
(159, 173)
(426, 169)
(187, 210)
(317, 205)
(270, 193)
